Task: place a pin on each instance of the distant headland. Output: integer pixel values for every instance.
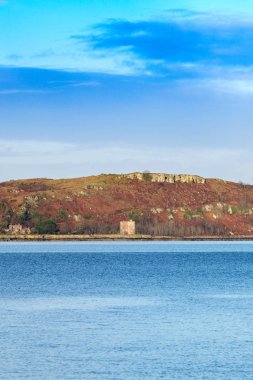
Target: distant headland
(152, 206)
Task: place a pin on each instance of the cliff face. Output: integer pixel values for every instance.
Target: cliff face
(159, 203)
(165, 178)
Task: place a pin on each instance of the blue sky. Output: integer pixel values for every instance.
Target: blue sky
(102, 86)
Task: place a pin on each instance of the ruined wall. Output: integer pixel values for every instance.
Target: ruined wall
(16, 229)
(166, 178)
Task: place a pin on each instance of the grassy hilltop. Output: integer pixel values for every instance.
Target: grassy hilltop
(160, 204)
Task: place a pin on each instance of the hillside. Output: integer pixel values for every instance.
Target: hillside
(161, 204)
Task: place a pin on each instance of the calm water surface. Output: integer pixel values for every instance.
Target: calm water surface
(126, 311)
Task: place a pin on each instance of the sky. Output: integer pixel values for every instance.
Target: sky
(93, 86)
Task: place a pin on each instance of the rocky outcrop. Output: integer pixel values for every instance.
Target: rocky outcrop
(165, 178)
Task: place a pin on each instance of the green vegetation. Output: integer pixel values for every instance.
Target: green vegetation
(188, 214)
(2, 206)
(33, 186)
(147, 177)
(4, 225)
(62, 214)
(234, 210)
(199, 212)
(134, 215)
(25, 215)
(46, 226)
(36, 215)
(87, 216)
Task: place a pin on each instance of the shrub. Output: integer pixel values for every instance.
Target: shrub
(25, 215)
(147, 177)
(62, 214)
(46, 226)
(188, 214)
(134, 215)
(87, 216)
(199, 211)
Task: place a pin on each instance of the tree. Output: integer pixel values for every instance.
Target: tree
(46, 226)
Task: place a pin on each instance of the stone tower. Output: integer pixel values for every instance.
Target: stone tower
(127, 227)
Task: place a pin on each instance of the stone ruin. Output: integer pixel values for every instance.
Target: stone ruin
(18, 229)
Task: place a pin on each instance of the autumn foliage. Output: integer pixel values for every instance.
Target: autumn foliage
(96, 205)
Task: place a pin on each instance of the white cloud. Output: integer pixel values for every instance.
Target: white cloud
(15, 91)
(60, 159)
(236, 86)
(85, 84)
(10, 150)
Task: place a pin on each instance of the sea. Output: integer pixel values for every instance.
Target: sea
(126, 310)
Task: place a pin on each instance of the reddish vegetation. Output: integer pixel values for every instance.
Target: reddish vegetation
(97, 205)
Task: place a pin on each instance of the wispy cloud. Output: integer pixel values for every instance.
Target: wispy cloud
(85, 84)
(15, 91)
(44, 54)
(185, 13)
(242, 87)
(14, 57)
(16, 80)
(28, 81)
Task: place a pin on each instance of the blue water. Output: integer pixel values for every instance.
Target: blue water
(126, 311)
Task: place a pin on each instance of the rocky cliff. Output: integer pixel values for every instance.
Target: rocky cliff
(165, 178)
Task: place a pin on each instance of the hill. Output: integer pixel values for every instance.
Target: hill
(161, 204)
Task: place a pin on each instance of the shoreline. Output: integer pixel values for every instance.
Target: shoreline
(62, 238)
